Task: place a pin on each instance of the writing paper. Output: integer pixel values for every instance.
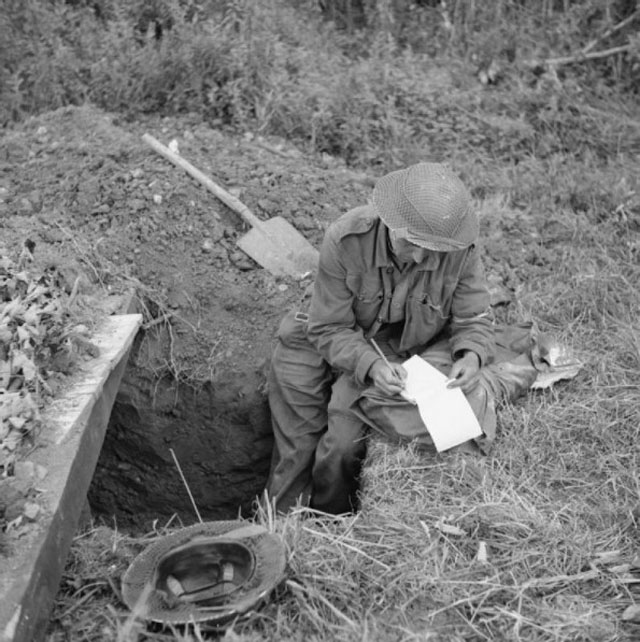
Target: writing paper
(445, 412)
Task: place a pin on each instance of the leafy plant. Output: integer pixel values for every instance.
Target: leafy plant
(40, 343)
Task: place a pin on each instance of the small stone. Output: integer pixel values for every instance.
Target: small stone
(82, 329)
(26, 206)
(31, 511)
(24, 471)
(242, 261)
(157, 199)
(207, 246)
(283, 287)
(17, 422)
(216, 232)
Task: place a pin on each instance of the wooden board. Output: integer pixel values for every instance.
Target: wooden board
(73, 431)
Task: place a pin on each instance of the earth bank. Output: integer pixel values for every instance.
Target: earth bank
(98, 202)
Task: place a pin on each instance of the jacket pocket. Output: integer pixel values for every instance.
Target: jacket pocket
(368, 295)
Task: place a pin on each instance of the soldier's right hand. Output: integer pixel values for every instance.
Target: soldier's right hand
(389, 378)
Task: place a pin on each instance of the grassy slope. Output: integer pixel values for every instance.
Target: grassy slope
(555, 168)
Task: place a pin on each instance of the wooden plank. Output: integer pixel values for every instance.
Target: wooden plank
(68, 447)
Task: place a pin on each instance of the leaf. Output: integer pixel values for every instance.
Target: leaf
(32, 315)
(21, 362)
(12, 309)
(17, 422)
(16, 404)
(5, 374)
(12, 440)
(36, 291)
(6, 335)
(23, 334)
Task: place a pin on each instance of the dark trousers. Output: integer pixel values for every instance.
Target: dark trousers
(318, 444)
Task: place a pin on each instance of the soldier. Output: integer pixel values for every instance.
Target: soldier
(405, 271)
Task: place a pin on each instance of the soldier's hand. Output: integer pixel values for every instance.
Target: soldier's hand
(464, 371)
(389, 378)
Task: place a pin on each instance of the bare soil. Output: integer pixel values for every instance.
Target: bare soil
(97, 201)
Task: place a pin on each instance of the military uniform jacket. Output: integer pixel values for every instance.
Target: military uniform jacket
(354, 290)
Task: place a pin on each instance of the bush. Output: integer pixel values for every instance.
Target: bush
(377, 97)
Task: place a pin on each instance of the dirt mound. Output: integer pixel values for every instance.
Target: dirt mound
(91, 195)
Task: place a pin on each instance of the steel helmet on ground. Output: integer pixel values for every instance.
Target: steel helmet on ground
(210, 573)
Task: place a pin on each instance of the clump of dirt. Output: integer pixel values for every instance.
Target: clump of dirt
(86, 190)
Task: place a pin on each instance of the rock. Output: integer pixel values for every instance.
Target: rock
(217, 232)
(242, 261)
(31, 511)
(25, 206)
(305, 222)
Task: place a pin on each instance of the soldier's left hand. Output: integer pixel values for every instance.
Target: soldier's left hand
(464, 372)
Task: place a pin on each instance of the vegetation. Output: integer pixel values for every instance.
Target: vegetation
(43, 334)
(278, 68)
(539, 540)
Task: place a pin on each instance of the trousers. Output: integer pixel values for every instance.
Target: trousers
(318, 444)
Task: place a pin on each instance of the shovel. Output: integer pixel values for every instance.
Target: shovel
(274, 244)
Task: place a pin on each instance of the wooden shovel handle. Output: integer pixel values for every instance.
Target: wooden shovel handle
(228, 199)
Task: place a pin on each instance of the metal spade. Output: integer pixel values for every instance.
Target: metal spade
(274, 244)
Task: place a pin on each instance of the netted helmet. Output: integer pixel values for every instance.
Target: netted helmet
(210, 573)
(429, 205)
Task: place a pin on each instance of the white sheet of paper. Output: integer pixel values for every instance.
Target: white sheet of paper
(444, 411)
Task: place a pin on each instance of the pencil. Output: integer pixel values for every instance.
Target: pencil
(377, 347)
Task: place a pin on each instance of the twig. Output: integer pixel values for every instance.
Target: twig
(579, 57)
(621, 25)
(560, 579)
(158, 320)
(184, 481)
(271, 148)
